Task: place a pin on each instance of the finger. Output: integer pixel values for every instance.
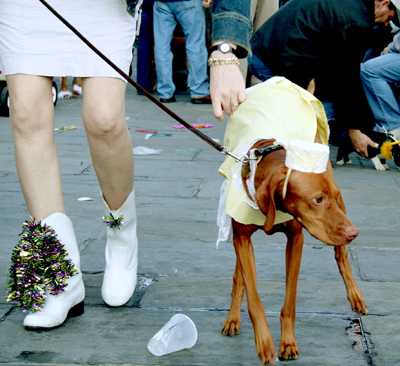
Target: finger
(234, 105)
(373, 144)
(218, 110)
(241, 96)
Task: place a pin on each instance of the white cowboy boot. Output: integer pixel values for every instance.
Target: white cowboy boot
(120, 274)
(57, 308)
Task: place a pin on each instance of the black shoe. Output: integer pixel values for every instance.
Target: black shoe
(202, 100)
(168, 100)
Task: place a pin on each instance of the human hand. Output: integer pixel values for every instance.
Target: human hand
(361, 142)
(207, 3)
(227, 88)
(384, 52)
(311, 87)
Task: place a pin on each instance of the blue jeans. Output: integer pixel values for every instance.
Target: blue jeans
(190, 15)
(378, 76)
(145, 45)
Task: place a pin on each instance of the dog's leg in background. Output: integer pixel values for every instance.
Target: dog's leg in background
(245, 256)
(343, 153)
(288, 349)
(354, 294)
(378, 164)
(232, 323)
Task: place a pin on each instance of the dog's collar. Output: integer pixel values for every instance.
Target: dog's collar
(259, 154)
(266, 150)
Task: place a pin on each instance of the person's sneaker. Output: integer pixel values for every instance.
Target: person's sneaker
(168, 100)
(202, 100)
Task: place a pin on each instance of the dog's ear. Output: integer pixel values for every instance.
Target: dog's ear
(265, 199)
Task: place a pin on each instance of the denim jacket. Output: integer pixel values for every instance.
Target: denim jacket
(231, 22)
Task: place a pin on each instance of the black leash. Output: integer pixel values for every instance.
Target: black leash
(215, 145)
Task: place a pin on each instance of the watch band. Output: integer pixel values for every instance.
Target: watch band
(218, 47)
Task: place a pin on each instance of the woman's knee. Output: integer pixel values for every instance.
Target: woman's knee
(31, 108)
(103, 108)
(105, 124)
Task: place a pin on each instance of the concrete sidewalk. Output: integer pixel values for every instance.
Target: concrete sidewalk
(182, 272)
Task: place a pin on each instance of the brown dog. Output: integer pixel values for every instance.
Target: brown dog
(316, 204)
(260, 196)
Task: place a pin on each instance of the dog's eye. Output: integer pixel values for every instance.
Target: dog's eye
(319, 199)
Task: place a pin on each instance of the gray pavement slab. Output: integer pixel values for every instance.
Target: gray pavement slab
(120, 336)
(180, 269)
(387, 335)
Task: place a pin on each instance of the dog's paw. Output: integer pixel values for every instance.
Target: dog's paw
(231, 327)
(288, 352)
(357, 303)
(378, 164)
(266, 349)
(360, 309)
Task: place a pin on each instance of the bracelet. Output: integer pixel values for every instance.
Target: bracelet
(223, 61)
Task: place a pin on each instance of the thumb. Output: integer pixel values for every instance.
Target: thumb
(373, 144)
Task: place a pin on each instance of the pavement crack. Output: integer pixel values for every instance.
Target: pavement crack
(85, 244)
(199, 189)
(140, 291)
(7, 314)
(84, 170)
(359, 338)
(356, 266)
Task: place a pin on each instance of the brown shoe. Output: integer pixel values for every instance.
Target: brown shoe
(202, 100)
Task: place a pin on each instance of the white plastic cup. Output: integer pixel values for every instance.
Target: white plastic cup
(178, 334)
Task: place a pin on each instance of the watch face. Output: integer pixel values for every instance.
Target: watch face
(225, 47)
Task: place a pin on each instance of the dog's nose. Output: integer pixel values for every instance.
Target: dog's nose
(351, 233)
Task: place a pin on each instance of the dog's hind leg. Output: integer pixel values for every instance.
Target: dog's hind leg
(288, 349)
(232, 323)
(245, 257)
(354, 294)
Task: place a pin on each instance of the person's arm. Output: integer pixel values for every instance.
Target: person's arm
(352, 108)
(395, 45)
(231, 24)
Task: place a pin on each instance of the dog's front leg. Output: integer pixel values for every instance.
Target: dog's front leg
(245, 256)
(232, 323)
(288, 349)
(354, 294)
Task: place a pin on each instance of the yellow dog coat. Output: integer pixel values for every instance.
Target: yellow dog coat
(275, 109)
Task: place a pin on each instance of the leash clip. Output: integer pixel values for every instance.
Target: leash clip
(244, 159)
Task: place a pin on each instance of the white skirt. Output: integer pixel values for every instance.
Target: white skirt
(33, 41)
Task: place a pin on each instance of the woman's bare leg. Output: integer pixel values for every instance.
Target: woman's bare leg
(103, 112)
(32, 124)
